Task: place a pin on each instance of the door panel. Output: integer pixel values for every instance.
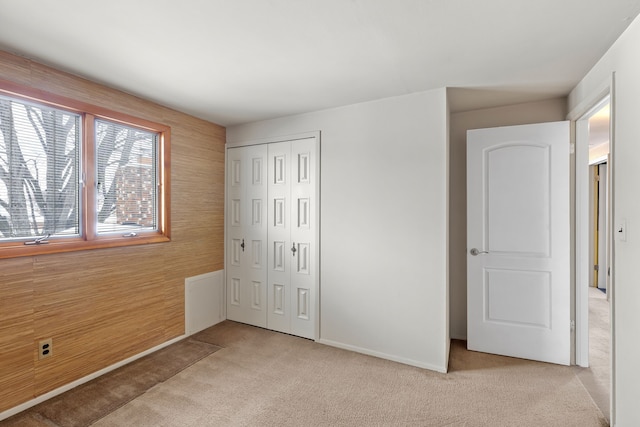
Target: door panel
(303, 237)
(246, 234)
(279, 234)
(292, 282)
(512, 211)
(518, 290)
(518, 297)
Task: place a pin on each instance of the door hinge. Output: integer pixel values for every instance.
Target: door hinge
(596, 267)
(573, 325)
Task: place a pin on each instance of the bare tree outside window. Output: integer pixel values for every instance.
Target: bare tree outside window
(75, 176)
(40, 185)
(39, 159)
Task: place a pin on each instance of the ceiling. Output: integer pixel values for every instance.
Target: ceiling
(237, 61)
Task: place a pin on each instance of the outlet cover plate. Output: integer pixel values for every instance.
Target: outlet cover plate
(45, 348)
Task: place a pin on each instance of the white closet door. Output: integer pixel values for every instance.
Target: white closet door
(279, 236)
(247, 235)
(303, 236)
(292, 258)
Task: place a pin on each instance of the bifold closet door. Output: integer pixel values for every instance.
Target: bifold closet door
(247, 235)
(292, 237)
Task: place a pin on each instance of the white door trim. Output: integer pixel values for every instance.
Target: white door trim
(582, 222)
(582, 262)
(282, 138)
(316, 207)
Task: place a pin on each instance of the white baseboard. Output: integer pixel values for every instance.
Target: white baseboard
(33, 402)
(393, 358)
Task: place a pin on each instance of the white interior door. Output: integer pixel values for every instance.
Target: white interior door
(602, 226)
(518, 284)
(247, 235)
(304, 213)
(292, 218)
(279, 234)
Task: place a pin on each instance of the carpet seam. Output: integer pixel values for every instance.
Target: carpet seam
(45, 419)
(591, 398)
(205, 342)
(92, 422)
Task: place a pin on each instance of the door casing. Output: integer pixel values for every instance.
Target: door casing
(315, 213)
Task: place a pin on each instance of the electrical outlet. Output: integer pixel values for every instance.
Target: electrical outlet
(45, 348)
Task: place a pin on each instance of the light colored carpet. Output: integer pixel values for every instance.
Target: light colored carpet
(596, 378)
(264, 378)
(81, 406)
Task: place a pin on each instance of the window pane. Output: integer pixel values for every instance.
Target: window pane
(126, 178)
(39, 162)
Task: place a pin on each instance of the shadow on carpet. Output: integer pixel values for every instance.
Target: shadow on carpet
(91, 401)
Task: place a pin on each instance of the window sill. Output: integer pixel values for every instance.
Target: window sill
(15, 250)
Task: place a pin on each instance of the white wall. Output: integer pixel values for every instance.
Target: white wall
(624, 59)
(383, 276)
(519, 114)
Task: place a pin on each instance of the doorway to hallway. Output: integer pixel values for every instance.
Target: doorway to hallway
(594, 229)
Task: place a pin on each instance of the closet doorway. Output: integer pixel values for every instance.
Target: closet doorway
(272, 235)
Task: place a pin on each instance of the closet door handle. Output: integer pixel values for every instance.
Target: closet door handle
(476, 252)
(293, 249)
(242, 245)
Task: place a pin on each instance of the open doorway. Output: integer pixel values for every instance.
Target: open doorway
(594, 129)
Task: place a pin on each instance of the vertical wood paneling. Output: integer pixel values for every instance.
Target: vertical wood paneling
(104, 305)
(174, 307)
(17, 346)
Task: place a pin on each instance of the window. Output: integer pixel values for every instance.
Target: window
(75, 176)
(126, 178)
(39, 156)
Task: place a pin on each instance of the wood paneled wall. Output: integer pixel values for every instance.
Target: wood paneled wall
(105, 305)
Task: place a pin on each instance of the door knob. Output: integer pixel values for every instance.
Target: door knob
(293, 249)
(476, 252)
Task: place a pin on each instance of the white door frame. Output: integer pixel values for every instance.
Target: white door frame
(316, 209)
(582, 223)
(582, 262)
